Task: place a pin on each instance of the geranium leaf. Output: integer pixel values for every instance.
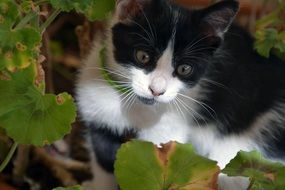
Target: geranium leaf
(266, 40)
(29, 116)
(142, 165)
(99, 9)
(18, 47)
(92, 9)
(263, 173)
(8, 13)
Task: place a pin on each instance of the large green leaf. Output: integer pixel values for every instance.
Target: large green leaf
(263, 173)
(142, 165)
(18, 47)
(29, 116)
(93, 9)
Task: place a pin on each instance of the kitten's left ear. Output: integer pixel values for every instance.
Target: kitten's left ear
(217, 18)
(126, 9)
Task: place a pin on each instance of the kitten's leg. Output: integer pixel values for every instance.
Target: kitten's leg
(104, 144)
(232, 183)
(102, 180)
(223, 151)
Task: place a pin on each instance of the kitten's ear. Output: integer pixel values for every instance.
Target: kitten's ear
(217, 18)
(127, 9)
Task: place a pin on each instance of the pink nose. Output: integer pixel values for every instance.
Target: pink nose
(156, 93)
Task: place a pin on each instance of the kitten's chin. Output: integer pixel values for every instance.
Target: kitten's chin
(147, 101)
(152, 101)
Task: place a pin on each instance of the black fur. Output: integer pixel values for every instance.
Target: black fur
(105, 144)
(274, 142)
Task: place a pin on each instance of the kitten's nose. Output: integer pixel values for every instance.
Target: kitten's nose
(158, 86)
(156, 93)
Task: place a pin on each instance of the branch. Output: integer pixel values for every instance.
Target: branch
(60, 167)
(20, 164)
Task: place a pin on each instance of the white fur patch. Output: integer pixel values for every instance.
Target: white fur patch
(171, 127)
(97, 101)
(222, 149)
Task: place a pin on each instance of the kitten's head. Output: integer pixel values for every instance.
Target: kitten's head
(166, 48)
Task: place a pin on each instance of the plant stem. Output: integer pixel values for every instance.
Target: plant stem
(50, 19)
(26, 19)
(8, 157)
(251, 184)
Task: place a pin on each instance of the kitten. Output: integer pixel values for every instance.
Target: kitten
(169, 73)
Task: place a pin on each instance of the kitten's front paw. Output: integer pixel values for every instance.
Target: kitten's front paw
(232, 183)
(96, 184)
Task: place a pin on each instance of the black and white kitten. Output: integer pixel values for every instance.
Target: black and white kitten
(190, 77)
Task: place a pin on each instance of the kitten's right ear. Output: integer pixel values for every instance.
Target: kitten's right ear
(217, 18)
(127, 9)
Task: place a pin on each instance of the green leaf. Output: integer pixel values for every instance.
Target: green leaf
(141, 165)
(8, 13)
(77, 187)
(92, 9)
(266, 40)
(64, 5)
(27, 6)
(263, 173)
(29, 116)
(99, 9)
(18, 47)
(268, 20)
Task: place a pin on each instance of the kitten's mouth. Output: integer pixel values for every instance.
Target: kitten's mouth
(147, 101)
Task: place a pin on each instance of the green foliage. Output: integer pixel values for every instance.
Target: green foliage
(29, 116)
(92, 9)
(69, 188)
(8, 13)
(141, 165)
(268, 39)
(270, 33)
(18, 47)
(262, 173)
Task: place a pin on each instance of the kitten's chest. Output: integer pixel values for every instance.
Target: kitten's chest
(170, 127)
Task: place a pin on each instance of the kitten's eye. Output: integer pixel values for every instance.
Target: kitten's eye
(184, 70)
(142, 57)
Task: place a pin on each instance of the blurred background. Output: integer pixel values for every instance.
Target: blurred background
(65, 43)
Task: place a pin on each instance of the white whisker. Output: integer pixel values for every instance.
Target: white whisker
(110, 71)
(203, 105)
(180, 110)
(191, 111)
